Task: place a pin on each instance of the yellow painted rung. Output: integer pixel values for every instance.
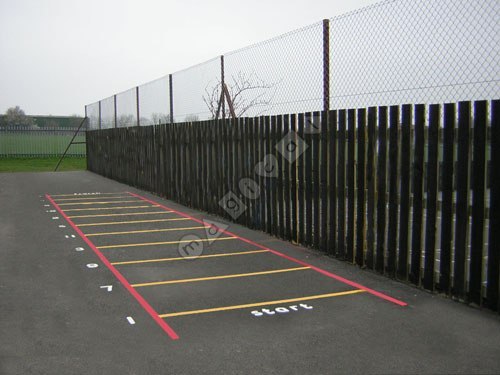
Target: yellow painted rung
(258, 304)
(220, 277)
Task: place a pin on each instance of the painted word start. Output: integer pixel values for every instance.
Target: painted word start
(281, 310)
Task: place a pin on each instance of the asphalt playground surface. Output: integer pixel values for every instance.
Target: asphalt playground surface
(97, 277)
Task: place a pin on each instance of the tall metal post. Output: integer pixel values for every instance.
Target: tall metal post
(86, 125)
(171, 97)
(100, 122)
(116, 115)
(222, 85)
(326, 65)
(137, 104)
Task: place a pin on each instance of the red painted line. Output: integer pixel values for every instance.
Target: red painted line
(146, 306)
(317, 269)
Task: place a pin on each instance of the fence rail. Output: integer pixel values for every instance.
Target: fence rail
(359, 184)
(22, 141)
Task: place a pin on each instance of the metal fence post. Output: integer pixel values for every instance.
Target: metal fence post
(137, 104)
(171, 97)
(222, 84)
(86, 123)
(100, 127)
(116, 115)
(326, 64)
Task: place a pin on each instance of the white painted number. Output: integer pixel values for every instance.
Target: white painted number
(62, 226)
(130, 320)
(55, 217)
(79, 248)
(108, 287)
(92, 265)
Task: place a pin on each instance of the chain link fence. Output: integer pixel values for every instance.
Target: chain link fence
(393, 52)
(406, 51)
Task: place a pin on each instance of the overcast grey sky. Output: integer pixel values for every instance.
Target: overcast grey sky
(58, 55)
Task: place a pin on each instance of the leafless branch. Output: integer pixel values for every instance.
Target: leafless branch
(245, 93)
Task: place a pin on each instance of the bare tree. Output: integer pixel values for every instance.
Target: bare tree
(242, 92)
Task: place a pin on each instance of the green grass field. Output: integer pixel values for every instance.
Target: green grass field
(41, 164)
(39, 143)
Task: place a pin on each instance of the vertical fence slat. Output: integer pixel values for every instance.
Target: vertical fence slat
(404, 212)
(370, 185)
(308, 180)
(315, 127)
(248, 160)
(332, 181)
(360, 185)
(261, 151)
(300, 181)
(236, 157)
(431, 199)
(493, 300)
(392, 232)
(286, 179)
(351, 187)
(381, 188)
(293, 183)
(462, 215)
(341, 218)
(478, 204)
(418, 192)
(279, 180)
(447, 198)
(276, 180)
(271, 168)
(323, 181)
(265, 202)
(214, 166)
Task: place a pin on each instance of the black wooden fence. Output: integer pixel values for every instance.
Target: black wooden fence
(402, 190)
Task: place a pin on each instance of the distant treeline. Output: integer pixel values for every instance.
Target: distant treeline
(48, 121)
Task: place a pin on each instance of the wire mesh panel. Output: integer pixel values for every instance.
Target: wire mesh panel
(281, 75)
(415, 52)
(154, 102)
(92, 111)
(108, 113)
(28, 141)
(393, 52)
(126, 108)
(191, 91)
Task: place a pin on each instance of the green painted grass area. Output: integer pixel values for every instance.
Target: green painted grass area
(41, 164)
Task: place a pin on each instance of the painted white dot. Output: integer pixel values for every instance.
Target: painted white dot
(130, 320)
(92, 265)
(62, 226)
(46, 205)
(55, 217)
(79, 248)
